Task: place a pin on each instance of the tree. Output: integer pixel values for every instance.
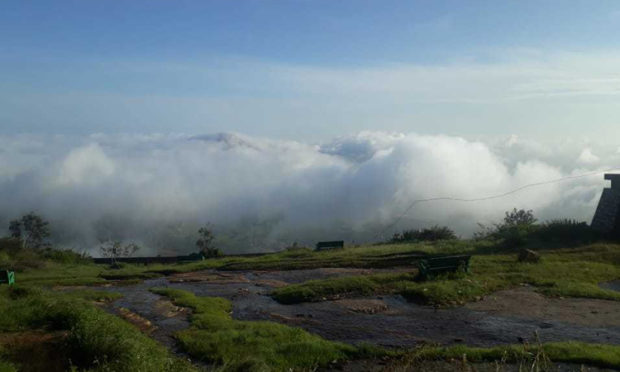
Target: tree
(205, 242)
(517, 227)
(114, 249)
(519, 217)
(15, 228)
(31, 229)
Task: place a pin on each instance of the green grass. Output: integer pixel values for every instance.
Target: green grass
(600, 355)
(369, 256)
(51, 273)
(96, 340)
(252, 345)
(99, 341)
(570, 272)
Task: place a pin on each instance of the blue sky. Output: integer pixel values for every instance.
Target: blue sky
(311, 69)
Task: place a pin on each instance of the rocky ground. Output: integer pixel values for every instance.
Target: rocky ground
(506, 317)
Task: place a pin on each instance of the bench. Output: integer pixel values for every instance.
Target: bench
(329, 245)
(432, 266)
(7, 277)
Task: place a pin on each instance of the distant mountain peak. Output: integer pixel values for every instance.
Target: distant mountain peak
(230, 140)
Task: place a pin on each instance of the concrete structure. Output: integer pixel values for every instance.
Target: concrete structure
(607, 216)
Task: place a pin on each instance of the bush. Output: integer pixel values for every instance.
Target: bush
(428, 234)
(10, 246)
(567, 231)
(514, 231)
(519, 228)
(14, 256)
(66, 256)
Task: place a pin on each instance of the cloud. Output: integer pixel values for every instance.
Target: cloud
(261, 194)
(587, 157)
(85, 165)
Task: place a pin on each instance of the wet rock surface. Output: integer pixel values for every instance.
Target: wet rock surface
(140, 301)
(525, 302)
(387, 320)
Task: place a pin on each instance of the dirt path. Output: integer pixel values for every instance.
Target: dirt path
(507, 317)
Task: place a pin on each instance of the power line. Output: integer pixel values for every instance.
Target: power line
(491, 197)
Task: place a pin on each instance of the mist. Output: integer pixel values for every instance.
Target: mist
(262, 194)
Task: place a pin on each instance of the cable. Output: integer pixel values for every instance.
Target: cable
(491, 197)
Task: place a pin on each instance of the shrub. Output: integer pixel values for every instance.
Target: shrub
(66, 256)
(514, 231)
(567, 231)
(519, 227)
(428, 234)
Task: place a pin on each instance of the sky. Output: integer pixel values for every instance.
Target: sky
(311, 70)
(299, 120)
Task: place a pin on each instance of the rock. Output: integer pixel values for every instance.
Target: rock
(528, 255)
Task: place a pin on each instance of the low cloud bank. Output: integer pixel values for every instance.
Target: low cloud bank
(262, 194)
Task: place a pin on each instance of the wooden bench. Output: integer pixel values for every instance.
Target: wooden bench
(432, 266)
(7, 277)
(329, 245)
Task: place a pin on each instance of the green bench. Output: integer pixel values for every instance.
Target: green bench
(432, 266)
(7, 277)
(336, 244)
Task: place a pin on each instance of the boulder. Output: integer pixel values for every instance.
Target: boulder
(528, 255)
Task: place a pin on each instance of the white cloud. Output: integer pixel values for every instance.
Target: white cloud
(87, 164)
(263, 193)
(587, 157)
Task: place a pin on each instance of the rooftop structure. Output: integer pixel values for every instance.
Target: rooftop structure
(607, 218)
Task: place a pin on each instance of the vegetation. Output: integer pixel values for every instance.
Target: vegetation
(532, 357)
(569, 272)
(519, 228)
(429, 234)
(114, 249)
(252, 346)
(92, 340)
(31, 230)
(205, 243)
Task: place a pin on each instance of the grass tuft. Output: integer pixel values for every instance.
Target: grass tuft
(251, 345)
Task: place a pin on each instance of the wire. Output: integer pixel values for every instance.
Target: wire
(491, 197)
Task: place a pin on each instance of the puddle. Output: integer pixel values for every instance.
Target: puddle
(387, 321)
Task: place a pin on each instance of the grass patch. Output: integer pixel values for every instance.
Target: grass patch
(7, 366)
(96, 340)
(538, 356)
(369, 256)
(569, 272)
(252, 345)
(357, 285)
